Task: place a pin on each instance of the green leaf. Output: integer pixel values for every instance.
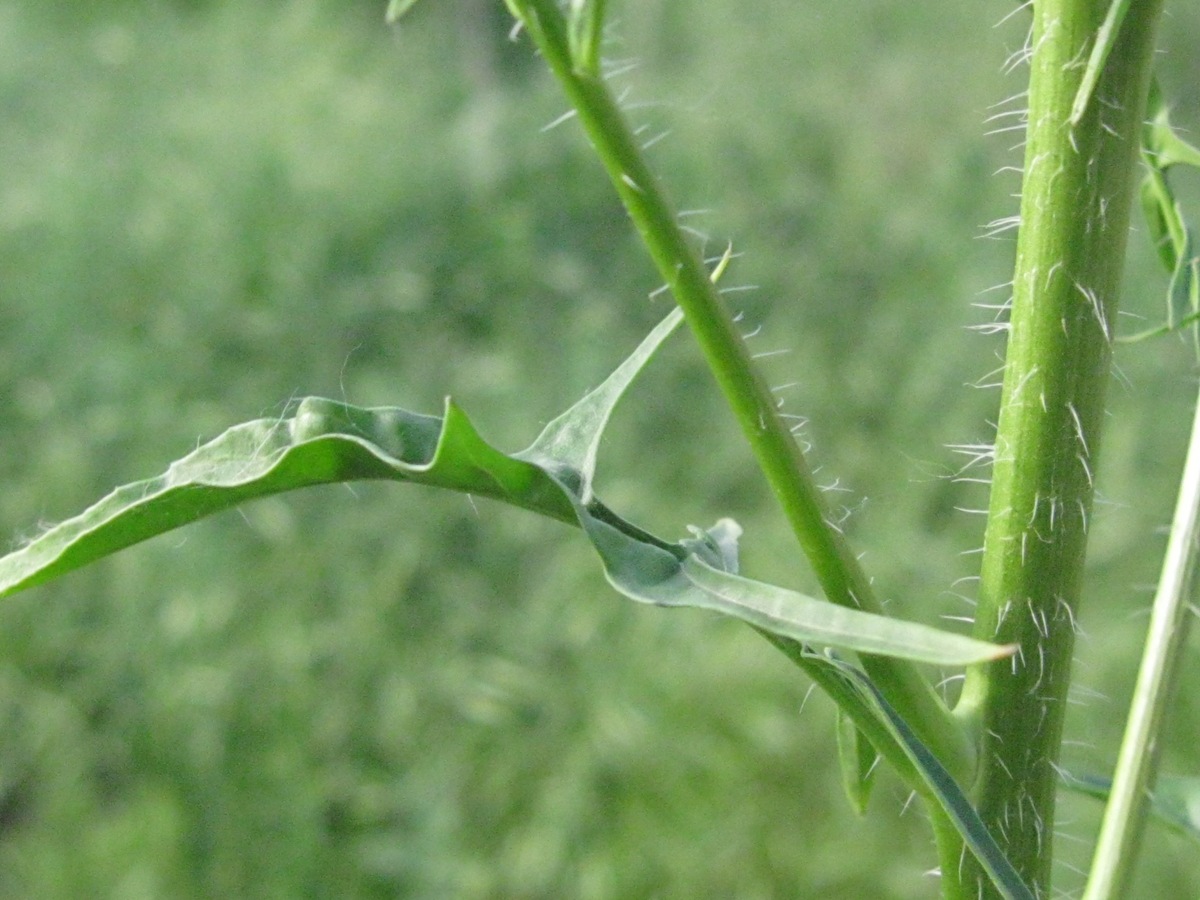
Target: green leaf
(819, 623)
(702, 576)
(572, 441)
(326, 441)
(858, 761)
(1174, 802)
(1163, 213)
(1183, 293)
(397, 8)
(1106, 38)
(1163, 216)
(1159, 136)
(1173, 240)
(941, 786)
(586, 28)
(323, 442)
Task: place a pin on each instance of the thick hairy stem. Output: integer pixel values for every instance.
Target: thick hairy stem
(1074, 220)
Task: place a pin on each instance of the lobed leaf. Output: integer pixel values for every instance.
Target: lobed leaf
(325, 441)
(1159, 136)
(572, 440)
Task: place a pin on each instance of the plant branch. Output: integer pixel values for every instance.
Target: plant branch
(748, 395)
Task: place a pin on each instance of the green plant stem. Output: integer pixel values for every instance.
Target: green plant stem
(952, 852)
(1125, 813)
(1075, 205)
(749, 396)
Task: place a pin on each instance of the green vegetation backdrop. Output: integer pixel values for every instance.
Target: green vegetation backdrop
(207, 208)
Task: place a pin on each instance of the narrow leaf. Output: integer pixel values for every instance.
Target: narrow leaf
(943, 788)
(819, 623)
(573, 439)
(1173, 240)
(1159, 136)
(1174, 802)
(1183, 293)
(1164, 219)
(702, 576)
(858, 761)
(1106, 38)
(323, 442)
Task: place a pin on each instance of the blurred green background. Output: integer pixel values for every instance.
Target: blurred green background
(209, 207)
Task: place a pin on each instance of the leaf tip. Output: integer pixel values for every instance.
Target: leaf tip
(1003, 651)
(396, 9)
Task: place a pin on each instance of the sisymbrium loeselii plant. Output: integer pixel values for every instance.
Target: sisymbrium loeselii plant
(985, 768)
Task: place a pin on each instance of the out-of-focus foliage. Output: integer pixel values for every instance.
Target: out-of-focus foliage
(209, 207)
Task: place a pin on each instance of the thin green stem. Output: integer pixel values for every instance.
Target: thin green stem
(1125, 814)
(951, 850)
(750, 397)
(1075, 204)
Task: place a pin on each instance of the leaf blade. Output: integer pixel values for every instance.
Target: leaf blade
(326, 441)
(858, 760)
(573, 438)
(396, 9)
(817, 622)
(1174, 802)
(945, 790)
(323, 442)
(1106, 39)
